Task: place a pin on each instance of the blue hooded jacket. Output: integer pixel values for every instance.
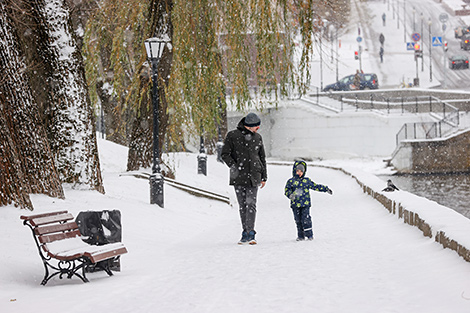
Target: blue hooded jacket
(298, 188)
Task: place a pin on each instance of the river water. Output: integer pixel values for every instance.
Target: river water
(450, 190)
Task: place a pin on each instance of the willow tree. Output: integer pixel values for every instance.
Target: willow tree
(239, 51)
(119, 76)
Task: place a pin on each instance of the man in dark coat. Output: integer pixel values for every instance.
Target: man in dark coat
(244, 154)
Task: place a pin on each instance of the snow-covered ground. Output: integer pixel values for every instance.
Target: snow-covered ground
(185, 257)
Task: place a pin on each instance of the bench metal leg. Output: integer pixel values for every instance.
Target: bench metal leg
(68, 268)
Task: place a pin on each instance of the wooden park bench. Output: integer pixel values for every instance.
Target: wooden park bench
(62, 250)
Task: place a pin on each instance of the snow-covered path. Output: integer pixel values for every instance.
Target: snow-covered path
(363, 260)
(185, 257)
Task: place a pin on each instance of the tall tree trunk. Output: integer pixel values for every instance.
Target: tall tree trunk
(26, 162)
(140, 146)
(67, 110)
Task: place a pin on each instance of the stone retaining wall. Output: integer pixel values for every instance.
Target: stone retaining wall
(434, 156)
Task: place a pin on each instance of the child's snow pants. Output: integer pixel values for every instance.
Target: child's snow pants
(303, 221)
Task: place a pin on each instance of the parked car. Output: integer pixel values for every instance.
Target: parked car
(461, 31)
(458, 61)
(368, 81)
(465, 42)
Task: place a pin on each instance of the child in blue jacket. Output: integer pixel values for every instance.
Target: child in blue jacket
(297, 190)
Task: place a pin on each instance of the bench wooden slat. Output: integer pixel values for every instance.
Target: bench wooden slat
(96, 257)
(43, 230)
(59, 236)
(51, 219)
(79, 248)
(30, 217)
(65, 257)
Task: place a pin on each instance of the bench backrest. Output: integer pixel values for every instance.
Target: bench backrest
(54, 226)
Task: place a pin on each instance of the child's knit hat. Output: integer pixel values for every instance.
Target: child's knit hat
(300, 167)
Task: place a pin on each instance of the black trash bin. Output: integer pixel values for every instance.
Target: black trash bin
(100, 228)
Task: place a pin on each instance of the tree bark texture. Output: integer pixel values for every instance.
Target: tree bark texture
(140, 145)
(67, 110)
(26, 161)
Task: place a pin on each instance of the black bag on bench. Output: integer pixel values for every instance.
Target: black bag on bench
(100, 228)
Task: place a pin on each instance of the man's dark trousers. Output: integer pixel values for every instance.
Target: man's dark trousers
(246, 197)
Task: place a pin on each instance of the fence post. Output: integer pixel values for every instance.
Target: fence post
(341, 99)
(444, 108)
(440, 130)
(371, 101)
(318, 96)
(414, 130)
(406, 131)
(416, 103)
(402, 106)
(388, 105)
(430, 104)
(356, 104)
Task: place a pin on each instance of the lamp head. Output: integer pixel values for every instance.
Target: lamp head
(155, 46)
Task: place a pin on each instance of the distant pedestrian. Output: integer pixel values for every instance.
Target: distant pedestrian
(357, 80)
(297, 190)
(244, 154)
(381, 39)
(383, 18)
(381, 52)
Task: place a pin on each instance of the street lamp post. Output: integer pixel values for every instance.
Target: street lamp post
(154, 47)
(404, 19)
(220, 141)
(422, 41)
(397, 7)
(321, 58)
(202, 157)
(102, 126)
(430, 50)
(337, 56)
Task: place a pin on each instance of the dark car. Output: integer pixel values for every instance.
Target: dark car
(368, 81)
(465, 42)
(458, 61)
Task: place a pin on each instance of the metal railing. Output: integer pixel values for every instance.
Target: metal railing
(430, 130)
(418, 104)
(448, 114)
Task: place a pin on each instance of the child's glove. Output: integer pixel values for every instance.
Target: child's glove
(328, 190)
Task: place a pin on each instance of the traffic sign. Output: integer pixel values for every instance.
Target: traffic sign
(416, 36)
(437, 41)
(443, 17)
(410, 46)
(359, 39)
